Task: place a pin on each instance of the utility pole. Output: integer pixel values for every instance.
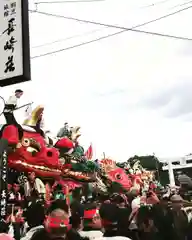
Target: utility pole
(171, 174)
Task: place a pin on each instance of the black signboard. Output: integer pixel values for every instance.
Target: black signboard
(14, 44)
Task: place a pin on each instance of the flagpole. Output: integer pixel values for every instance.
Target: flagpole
(94, 152)
(25, 105)
(89, 152)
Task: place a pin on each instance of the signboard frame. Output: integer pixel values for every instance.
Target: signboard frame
(26, 76)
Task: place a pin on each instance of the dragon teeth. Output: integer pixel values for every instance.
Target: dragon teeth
(66, 171)
(38, 167)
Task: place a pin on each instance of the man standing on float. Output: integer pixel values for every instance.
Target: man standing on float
(10, 106)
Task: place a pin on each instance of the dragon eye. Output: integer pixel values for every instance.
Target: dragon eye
(26, 142)
(118, 176)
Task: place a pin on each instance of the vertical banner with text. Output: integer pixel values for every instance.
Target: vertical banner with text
(3, 178)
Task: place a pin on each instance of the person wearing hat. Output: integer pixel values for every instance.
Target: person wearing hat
(91, 223)
(56, 223)
(176, 202)
(179, 218)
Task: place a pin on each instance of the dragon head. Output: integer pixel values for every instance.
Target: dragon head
(115, 174)
(31, 154)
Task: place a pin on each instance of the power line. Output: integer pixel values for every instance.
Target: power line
(123, 29)
(65, 39)
(181, 4)
(87, 1)
(74, 1)
(77, 45)
(110, 25)
(85, 21)
(68, 38)
(155, 4)
(111, 35)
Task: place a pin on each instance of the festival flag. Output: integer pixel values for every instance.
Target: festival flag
(89, 153)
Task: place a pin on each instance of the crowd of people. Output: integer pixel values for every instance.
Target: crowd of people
(133, 215)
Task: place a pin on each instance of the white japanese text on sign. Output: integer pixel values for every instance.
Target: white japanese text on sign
(3, 193)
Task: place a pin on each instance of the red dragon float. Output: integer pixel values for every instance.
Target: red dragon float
(60, 158)
(30, 150)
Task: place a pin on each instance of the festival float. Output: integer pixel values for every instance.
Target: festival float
(30, 149)
(62, 160)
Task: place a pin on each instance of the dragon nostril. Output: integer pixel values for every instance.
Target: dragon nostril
(34, 154)
(49, 154)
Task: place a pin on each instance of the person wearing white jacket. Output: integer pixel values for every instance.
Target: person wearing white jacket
(10, 106)
(34, 185)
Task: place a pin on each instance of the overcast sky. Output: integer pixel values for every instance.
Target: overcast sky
(130, 93)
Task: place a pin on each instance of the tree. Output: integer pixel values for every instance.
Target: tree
(151, 163)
